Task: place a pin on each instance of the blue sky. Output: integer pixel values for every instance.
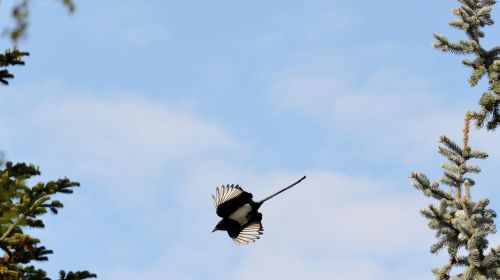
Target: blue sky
(151, 105)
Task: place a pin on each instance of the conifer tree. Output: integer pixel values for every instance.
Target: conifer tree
(461, 224)
(458, 220)
(473, 16)
(10, 58)
(21, 205)
(20, 13)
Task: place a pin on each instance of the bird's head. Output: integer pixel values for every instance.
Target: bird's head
(222, 225)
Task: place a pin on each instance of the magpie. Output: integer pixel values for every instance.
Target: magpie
(239, 213)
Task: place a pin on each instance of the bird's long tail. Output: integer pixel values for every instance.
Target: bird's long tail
(273, 195)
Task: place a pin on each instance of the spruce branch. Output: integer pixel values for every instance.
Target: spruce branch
(472, 17)
(458, 221)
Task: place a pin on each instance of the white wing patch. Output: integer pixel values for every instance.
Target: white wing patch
(241, 214)
(249, 233)
(226, 193)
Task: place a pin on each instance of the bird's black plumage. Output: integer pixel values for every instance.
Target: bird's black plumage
(239, 213)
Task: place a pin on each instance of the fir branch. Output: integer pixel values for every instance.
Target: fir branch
(471, 169)
(466, 130)
(451, 155)
(422, 183)
(451, 145)
(11, 227)
(21, 206)
(478, 155)
(459, 222)
(10, 58)
(21, 13)
(472, 17)
(75, 275)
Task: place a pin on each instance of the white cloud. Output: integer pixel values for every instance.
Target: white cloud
(130, 153)
(389, 116)
(326, 226)
(331, 210)
(394, 120)
(331, 225)
(116, 140)
(342, 227)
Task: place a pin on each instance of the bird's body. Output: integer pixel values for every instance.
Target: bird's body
(239, 213)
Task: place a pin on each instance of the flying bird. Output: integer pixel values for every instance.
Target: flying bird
(239, 213)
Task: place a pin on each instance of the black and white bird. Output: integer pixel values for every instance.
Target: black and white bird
(239, 213)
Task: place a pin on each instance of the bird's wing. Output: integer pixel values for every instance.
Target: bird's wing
(249, 233)
(229, 198)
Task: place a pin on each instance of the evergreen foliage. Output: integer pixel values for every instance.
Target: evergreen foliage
(20, 13)
(459, 221)
(473, 16)
(9, 58)
(461, 224)
(20, 207)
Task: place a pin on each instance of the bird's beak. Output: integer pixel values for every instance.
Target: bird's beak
(215, 228)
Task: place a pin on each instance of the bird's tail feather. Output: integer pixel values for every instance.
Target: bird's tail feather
(273, 195)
